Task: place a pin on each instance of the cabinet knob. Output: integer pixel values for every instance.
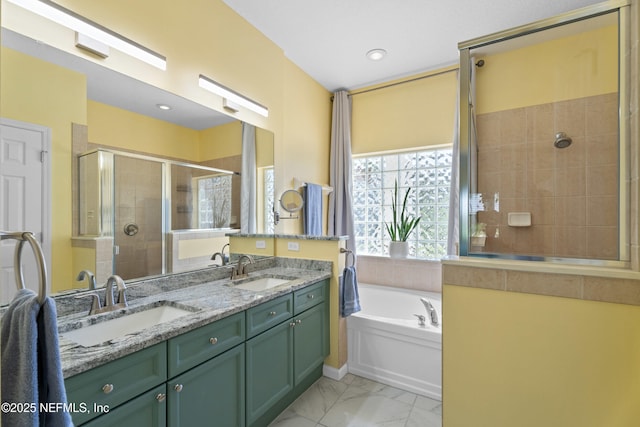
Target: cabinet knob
(272, 313)
(160, 397)
(178, 388)
(298, 321)
(292, 324)
(213, 340)
(107, 388)
(311, 296)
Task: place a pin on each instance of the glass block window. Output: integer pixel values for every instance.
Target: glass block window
(214, 201)
(269, 191)
(428, 173)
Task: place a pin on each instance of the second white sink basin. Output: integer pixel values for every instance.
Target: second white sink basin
(124, 325)
(262, 283)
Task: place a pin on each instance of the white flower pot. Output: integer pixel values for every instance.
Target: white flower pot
(398, 249)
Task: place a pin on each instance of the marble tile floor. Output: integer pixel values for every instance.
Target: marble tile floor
(358, 402)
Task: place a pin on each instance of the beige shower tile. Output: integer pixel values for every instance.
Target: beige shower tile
(570, 242)
(602, 210)
(542, 122)
(513, 183)
(602, 149)
(623, 291)
(570, 117)
(572, 156)
(488, 127)
(513, 126)
(602, 180)
(474, 277)
(540, 183)
(489, 159)
(542, 210)
(560, 285)
(513, 157)
(570, 211)
(535, 240)
(602, 115)
(602, 242)
(571, 182)
(541, 155)
(488, 182)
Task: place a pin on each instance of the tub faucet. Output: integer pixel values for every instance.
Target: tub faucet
(86, 274)
(224, 259)
(431, 312)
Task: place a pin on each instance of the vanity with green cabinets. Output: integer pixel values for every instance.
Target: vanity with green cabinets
(241, 369)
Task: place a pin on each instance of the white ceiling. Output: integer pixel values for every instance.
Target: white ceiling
(328, 39)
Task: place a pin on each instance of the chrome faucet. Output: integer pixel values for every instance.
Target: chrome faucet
(240, 270)
(122, 298)
(86, 274)
(431, 312)
(223, 258)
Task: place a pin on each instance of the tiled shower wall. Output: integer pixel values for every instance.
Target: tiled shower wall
(571, 193)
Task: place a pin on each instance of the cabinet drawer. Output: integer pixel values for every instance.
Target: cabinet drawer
(148, 409)
(190, 349)
(310, 296)
(116, 382)
(268, 314)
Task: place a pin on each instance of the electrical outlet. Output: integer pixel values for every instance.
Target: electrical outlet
(261, 244)
(293, 246)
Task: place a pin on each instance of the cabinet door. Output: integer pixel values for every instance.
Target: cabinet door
(311, 341)
(211, 394)
(148, 409)
(269, 369)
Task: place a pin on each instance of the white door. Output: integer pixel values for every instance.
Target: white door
(24, 198)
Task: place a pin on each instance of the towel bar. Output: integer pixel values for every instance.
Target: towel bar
(348, 252)
(22, 237)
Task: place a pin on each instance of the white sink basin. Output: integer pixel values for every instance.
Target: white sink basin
(124, 325)
(262, 283)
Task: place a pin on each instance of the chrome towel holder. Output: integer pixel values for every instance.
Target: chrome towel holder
(22, 237)
(346, 258)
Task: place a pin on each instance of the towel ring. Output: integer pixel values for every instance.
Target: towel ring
(346, 258)
(22, 237)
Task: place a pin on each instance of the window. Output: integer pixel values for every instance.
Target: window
(428, 173)
(214, 201)
(267, 203)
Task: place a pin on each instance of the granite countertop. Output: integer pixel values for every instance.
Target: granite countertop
(208, 300)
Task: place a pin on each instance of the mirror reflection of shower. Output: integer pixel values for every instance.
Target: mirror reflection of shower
(131, 203)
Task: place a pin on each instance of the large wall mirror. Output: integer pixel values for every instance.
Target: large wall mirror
(191, 201)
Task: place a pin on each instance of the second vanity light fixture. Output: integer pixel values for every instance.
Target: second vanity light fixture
(231, 99)
(82, 25)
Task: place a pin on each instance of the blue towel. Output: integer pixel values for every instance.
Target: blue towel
(349, 298)
(313, 210)
(31, 368)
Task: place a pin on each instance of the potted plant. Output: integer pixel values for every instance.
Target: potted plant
(401, 226)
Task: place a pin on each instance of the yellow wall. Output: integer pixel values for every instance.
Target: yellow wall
(583, 65)
(408, 115)
(123, 129)
(512, 359)
(36, 92)
(324, 250)
(221, 141)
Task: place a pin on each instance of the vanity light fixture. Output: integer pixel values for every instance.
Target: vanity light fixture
(232, 100)
(72, 20)
(376, 54)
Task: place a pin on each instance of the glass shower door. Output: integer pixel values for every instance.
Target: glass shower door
(138, 232)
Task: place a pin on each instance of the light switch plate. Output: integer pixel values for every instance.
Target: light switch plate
(293, 246)
(261, 244)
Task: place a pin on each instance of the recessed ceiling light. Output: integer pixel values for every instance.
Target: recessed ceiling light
(376, 54)
(163, 106)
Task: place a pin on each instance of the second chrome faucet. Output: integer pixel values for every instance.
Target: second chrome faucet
(110, 304)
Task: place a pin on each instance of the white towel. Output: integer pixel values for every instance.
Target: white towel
(31, 368)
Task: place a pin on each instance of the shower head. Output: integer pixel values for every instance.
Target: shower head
(562, 140)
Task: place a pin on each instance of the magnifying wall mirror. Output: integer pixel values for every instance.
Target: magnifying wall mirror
(291, 201)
